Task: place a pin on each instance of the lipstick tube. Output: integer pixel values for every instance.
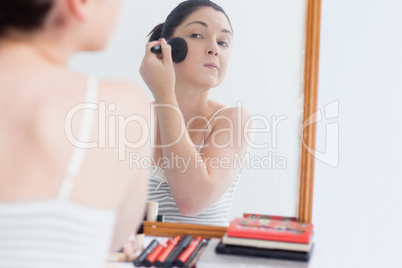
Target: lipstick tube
(184, 256)
(145, 253)
(184, 242)
(195, 255)
(162, 257)
(155, 253)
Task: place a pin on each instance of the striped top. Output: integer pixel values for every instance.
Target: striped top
(58, 232)
(159, 191)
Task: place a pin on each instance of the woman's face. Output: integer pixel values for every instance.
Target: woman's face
(209, 36)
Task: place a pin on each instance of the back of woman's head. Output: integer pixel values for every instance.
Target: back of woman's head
(178, 15)
(23, 15)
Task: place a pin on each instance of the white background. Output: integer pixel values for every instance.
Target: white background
(265, 74)
(357, 206)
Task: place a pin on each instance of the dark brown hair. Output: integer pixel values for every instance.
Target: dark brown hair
(25, 15)
(178, 15)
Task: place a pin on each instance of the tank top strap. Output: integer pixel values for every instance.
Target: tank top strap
(210, 120)
(84, 135)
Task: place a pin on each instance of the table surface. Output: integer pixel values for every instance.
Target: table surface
(210, 259)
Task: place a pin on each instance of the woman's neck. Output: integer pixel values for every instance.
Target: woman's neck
(36, 48)
(192, 101)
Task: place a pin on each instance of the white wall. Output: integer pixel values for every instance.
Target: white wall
(357, 206)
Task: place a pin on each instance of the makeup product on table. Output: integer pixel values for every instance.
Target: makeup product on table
(121, 257)
(129, 247)
(138, 262)
(155, 253)
(272, 230)
(196, 254)
(264, 252)
(152, 211)
(268, 217)
(185, 255)
(165, 253)
(160, 218)
(184, 242)
(139, 242)
(129, 251)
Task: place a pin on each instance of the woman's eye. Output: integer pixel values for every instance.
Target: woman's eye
(196, 36)
(224, 44)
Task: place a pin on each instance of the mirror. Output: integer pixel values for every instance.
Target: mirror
(269, 63)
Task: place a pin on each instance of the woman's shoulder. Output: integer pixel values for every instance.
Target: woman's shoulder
(234, 112)
(114, 88)
(124, 95)
(119, 96)
(121, 86)
(109, 90)
(231, 119)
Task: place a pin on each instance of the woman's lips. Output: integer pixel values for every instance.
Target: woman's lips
(211, 66)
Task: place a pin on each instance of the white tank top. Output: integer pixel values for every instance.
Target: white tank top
(159, 191)
(58, 232)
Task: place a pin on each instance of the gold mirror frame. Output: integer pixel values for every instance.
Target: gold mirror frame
(306, 174)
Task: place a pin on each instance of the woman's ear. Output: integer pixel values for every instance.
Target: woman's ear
(80, 8)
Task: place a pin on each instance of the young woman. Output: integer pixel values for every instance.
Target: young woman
(198, 140)
(60, 205)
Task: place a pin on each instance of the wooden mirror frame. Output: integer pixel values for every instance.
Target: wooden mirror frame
(306, 162)
(310, 83)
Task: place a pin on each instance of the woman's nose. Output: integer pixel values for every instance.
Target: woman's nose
(212, 49)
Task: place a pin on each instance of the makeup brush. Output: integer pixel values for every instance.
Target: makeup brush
(179, 49)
